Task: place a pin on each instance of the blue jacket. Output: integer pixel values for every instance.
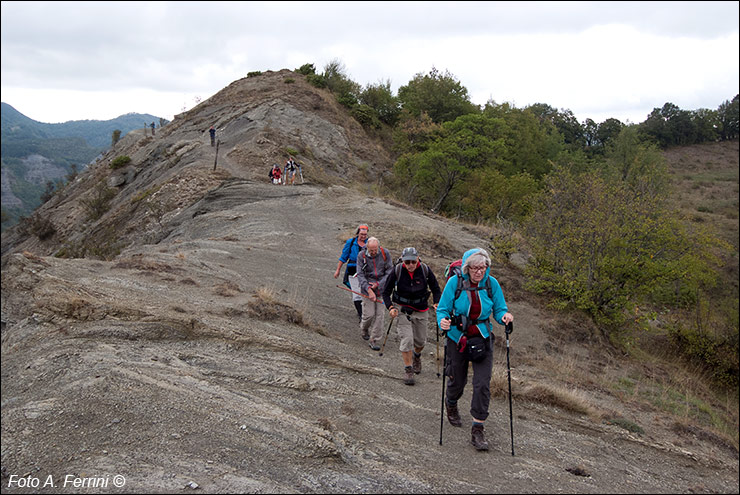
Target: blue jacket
(350, 251)
(496, 307)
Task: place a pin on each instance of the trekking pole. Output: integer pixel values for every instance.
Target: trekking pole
(437, 324)
(442, 408)
(386, 337)
(354, 292)
(509, 329)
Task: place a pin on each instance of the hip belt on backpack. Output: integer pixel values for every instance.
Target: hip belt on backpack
(412, 302)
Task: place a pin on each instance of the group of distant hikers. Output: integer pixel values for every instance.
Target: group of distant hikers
(288, 174)
(471, 297)
(277, 176)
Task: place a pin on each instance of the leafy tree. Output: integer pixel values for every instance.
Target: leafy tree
(489, 195)
(543, 111)
(115, 137)
(346, 90)
(441, 96)
(366, 115)
(414, 134)
(590, 133)
(707, 124)
(640, 166)
(729, 118)
(531, 143)
(380, 98)
(608, 130)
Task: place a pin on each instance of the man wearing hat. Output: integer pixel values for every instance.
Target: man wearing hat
(407, 292)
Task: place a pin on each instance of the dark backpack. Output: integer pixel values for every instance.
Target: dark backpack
(398, 265)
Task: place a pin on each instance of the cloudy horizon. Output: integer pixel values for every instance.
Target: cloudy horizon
(66, 61)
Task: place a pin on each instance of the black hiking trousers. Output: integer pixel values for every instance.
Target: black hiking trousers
(456, 369)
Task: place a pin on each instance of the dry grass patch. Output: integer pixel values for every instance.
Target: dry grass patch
(145, 265)
(265, 306)
(571, 400)
(226, 289)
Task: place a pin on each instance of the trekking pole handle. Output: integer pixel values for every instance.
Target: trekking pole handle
(509, 327)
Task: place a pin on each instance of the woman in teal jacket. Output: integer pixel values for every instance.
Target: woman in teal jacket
(466, 321)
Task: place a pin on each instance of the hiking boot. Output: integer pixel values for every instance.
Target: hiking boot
(374, 346)
(365, 335)
(478, 438)
(417, 363)
(453, 415)
(408, 376)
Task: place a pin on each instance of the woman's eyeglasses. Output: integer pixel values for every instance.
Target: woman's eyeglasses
(409, 262)
(478, 268)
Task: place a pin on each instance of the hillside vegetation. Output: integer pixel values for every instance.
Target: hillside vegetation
(184, 324)
(39, 157)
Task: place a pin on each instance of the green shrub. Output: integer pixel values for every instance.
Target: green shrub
(316, 80)
(100, 202)
(288, 80)
(37, 225)
(254, 73)
(719, 356)
(120, 161)
(367, 116)
(348, 100)
(307, 69)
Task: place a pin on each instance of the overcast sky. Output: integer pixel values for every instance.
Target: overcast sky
(97, 60)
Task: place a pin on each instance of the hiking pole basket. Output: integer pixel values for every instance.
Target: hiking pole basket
(509, 329)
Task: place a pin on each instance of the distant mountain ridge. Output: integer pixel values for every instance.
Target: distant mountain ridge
(34, 153)
(97, 133)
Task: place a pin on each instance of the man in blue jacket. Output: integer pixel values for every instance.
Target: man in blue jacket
(464, 313)
(351, 249)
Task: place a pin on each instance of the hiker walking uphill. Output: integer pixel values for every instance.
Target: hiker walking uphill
(468, 302)
(212, 132)
(275, 174)
(407, 292)
(290, 170)
(374, 266)
(152, 126)
(351, 249)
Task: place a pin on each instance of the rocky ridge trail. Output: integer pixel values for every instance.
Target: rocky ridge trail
(155, 367)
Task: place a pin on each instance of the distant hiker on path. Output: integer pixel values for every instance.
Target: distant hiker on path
(374, 266)
(212, 132)
(407, 292)
(351, 249)
(464, 315)
(152, 126)
(290, 170)
(275, 174)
